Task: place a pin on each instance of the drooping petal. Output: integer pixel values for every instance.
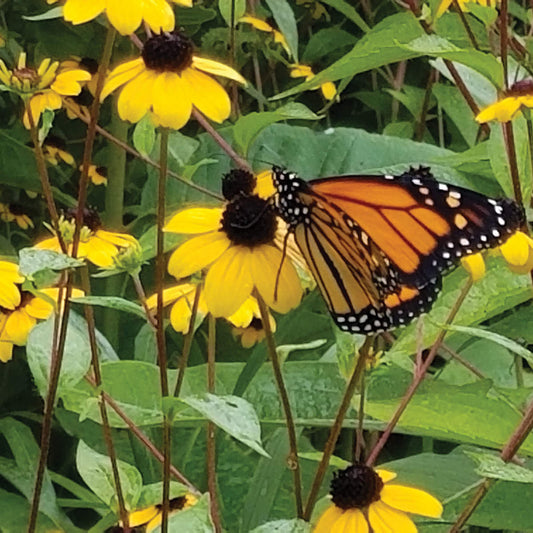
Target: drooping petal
(328, 90)
(301, 71)
(136, 97)
(126, 18)
(172, 100)
(9, 292)
(385, 519)
(121, 75)
(68, 83)
(79, 11)
(17, 327)
(502, 111)
(208, 96)
(158, 15)
(245, 314)
(195, 220)
(229, 281)
(353, 521)
(40, 102)
(385, 475)
(6, 351)
(49, 244)
(516, 249)
(475, 265)
(119, 239)
(184, 3)
(100, 252)
(328, 519)
(265, 264)
(142, 516)
(443, 7)
(171, 294)
(217, 69)
(197, 253)
(42, 308)
(411, 500)
(180, 315)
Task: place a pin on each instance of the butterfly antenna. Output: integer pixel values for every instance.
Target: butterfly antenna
(255, 219)
(283, 255)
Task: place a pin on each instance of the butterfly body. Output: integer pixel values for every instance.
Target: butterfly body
(378, 245)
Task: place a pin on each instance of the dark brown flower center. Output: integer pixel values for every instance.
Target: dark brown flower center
(56, 142)
(355, 487)
(102, 171)
(17, 209)
(237, 182)
(89, 64)
(521, 88)
(249, 221)
(256, 324)
(168, 52)
(91, 219)
(26, 74)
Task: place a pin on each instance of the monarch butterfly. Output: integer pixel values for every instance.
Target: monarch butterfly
(378, 245)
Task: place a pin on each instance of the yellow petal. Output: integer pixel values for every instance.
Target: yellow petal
(443, 7)
(217, 69)
(18, 326)
(301, 71)
(143, 516)
(136, 97)
(68, 83)
(385, 519)
(258, 24)
(119, 239)
(197, 253)
(475, 265)
(40, 102)
(122, 74)
(39, 307)
(280, 39)
(171, 294)
(229, 281)
(195, 220)
(246, 313)
(180, 315)
(79, 11)
(385, 475)
(6, 351)
(354, 522)
(411, 500)
(328, 519)
(171, 100)
(503, 110)
(264, 187)
(49, 244)
(184, 3)
(516, 249)
(265, 264)
(208, 96)
(100, 252)
(125, 17)
(158, 15)
(328, 90)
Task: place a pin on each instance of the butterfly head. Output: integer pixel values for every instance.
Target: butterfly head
(288, 200)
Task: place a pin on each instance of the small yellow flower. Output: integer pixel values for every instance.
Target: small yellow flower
(363, 498)
(44, 87)
(126, 18)
(237, 246)
(329, 91)
(9, 280)
(55, 150)
(518, 252)
(16, 324)
(248, 324)
(15, 213)
(463, 5)
(262, 25)
(167, 81)
(98, 175)
(519, 95)
(182, 297)
(150, 517)
(100, 247)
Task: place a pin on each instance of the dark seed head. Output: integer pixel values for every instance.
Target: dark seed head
(249, 221)
(17, 209)
(355, 487)
(521, 88)
(91, 219)
(168, 52)
(89, 64)
(237, 182)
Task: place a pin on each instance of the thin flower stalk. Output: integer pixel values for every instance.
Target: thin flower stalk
(337, 427)
(466, 25)
(106, 428)
(187, 342)
(293, 460)
(211, 431)
(418, 377)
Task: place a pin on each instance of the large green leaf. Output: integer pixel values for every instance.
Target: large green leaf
(195, 519)
(284, 17)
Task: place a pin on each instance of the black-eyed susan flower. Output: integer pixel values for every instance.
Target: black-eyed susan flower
(16, 323)
(236, 244)
(247, 323)
(9, 281)
(97, 174)
(44, 87)
(519, 95)
(363, 498)
(463, 5)
(182, 299)
(14, 212)
(126, 18)
(328, 89)
(167, 81)
(100, 247)
(263, 25)
(55, 151)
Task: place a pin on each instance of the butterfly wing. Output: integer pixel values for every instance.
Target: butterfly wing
(421, 225)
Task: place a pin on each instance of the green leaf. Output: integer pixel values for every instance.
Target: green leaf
(249, 126)
(95, 470)
(225, 6)
(194, 16)
(492, 466)
(233, 415)
(284, 526)
(349, 12)
(144, 136)
(284, 17)
(487, 14)
(54, 13)
(33, 261)
(17, 160)
(148, 242)
(181, 148)
(112, 302)
(152, 494)
(380, 46)
(324, 42)
(195, 519)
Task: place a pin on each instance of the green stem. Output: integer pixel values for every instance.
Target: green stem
(160, 330)
(292, 460)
